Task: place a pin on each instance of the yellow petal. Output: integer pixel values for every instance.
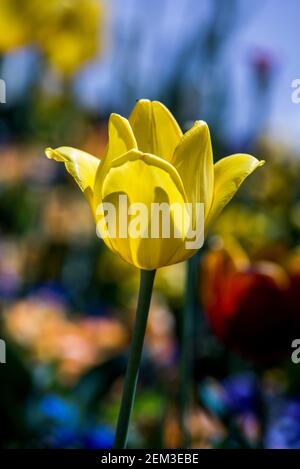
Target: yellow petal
(193, 160)
(81, 165)
(144, 179)
(155, 129)
(229, 173)
(121, 140)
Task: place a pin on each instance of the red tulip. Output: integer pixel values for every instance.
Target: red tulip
(249, 308)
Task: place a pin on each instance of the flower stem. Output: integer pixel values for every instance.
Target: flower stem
(187, 347)
(144, 299)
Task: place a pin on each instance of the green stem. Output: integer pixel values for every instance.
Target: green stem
(145, 292)
(187, 346)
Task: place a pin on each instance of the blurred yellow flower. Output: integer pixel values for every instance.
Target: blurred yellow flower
(149, 160)
(66, 31)
(14, 28)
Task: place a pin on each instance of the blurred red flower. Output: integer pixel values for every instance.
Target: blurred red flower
(251, 307)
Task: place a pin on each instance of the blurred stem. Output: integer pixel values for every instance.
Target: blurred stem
(144, 299)
(187, 347)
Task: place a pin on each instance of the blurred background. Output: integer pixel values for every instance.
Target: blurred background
(67, 304)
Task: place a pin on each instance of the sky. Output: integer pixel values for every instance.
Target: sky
(270, 26)
(275, 27)
(144, 39)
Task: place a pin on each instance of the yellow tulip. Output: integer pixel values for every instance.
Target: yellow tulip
(67, 31)
(150, 160)
(14, 29)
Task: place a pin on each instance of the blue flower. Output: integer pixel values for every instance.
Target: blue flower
(242, 392)
(99, 437)
(59, 410)
(283, 430)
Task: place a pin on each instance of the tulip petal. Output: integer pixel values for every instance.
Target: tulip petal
(155, 129)
(144, 179)
(81, 165)
(121, 140)
(229, 174)
(193, 160)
